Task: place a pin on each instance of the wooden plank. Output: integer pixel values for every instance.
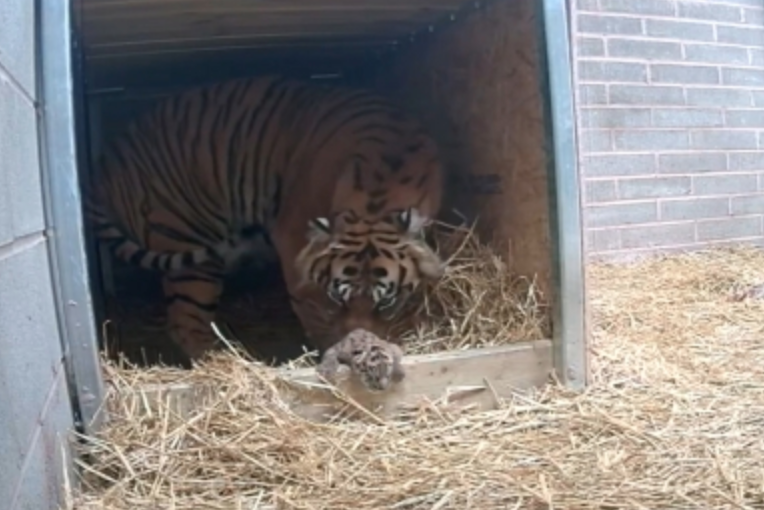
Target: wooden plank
(475, 377)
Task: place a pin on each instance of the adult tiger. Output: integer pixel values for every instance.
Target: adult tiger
(340, 181)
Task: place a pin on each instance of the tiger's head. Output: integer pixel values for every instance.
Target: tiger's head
(367, 268)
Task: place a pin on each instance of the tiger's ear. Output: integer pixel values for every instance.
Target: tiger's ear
(319, 230)
(412, 222)
(427, 261)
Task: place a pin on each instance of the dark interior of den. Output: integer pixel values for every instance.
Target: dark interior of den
(472, 72)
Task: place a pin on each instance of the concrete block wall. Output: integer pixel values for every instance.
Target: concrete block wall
(36, 413)
(671, 104)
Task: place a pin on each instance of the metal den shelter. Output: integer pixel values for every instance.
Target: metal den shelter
(492, 80)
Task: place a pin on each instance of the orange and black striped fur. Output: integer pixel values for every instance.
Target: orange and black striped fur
(340, 181)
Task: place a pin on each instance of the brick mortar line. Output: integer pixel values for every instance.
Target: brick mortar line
(684, 198)
(619, 229)
(652, 37)
(685, 129)
(677, 18)
(616, 152)
(724, 3)
(678, 63)
(690, 175)
(636, 201)
(600, 180)
(660, 39)
(721, 109)
(671, 152)
(675, 85)
(679, 21)
(736, 129)
(727, 197)
(669, 39)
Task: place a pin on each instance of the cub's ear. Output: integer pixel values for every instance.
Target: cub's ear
(412, 221)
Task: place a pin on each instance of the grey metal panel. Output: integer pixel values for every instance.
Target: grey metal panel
(17, 43)
(64, 215)
(20, 159)
(36, 409)
(41, 481)
(569, 320)
(28, 336)
(36, 404)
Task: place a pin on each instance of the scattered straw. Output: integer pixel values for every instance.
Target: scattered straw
(673, 419)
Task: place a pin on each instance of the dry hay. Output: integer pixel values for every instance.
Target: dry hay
(480, 301)
(673, 419)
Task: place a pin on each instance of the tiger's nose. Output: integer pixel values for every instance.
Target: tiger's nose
(353, 323)
(360, 315)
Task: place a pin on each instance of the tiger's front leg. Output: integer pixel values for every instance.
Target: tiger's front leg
(192, 297)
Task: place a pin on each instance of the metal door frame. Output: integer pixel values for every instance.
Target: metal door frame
(570, 334)
(59, 91)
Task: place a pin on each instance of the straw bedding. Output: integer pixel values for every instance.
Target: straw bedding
(673, 419)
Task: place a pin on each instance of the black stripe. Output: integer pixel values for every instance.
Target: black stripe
(390, 128)
(163, 262)
(187, 259)
(136, 257)
(342, 108)
(263, 169)
(402, 275)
